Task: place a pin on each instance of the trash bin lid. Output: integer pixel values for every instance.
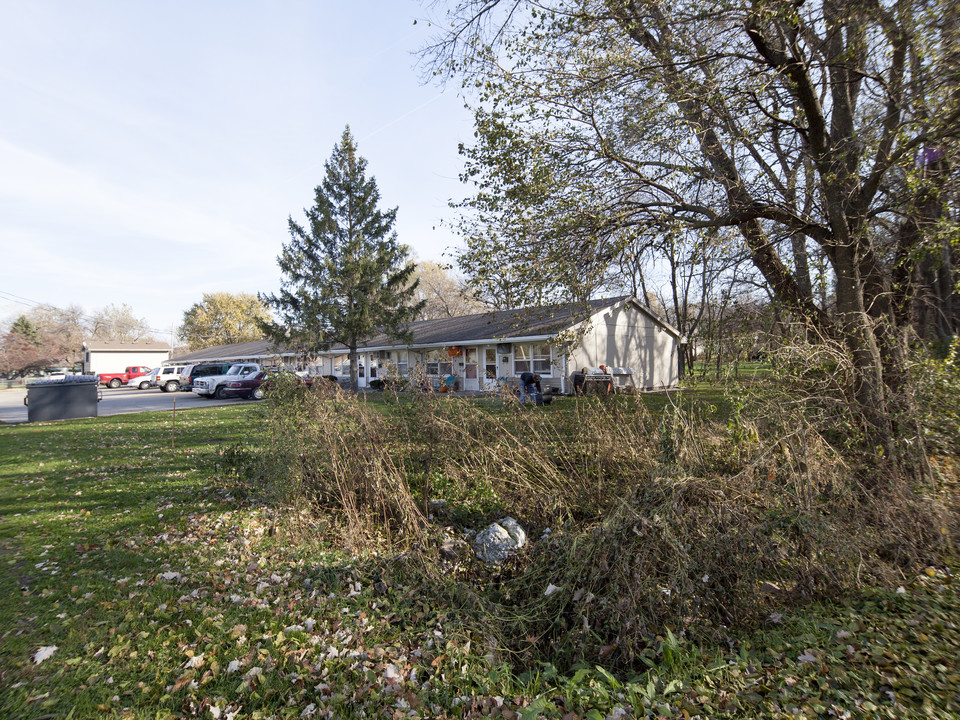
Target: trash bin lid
(66, 380)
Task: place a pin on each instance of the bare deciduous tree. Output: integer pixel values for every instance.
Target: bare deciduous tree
(118, 323)
(442, 293)
(820, 130)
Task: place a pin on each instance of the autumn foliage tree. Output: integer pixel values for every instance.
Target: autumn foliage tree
(24, 349)
(223, 318)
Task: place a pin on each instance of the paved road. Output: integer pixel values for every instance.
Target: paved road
(114, 402)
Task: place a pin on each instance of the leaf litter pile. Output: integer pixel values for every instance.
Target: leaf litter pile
(139, 582)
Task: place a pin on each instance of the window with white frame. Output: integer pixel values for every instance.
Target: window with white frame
(532, 357)
(341, 365)
(541, 358)
(438, 363)
(490, 363)
(521, 358)
(396, 359)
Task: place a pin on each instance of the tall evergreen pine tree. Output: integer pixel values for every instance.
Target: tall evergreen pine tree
(345, 276)
(24, 327)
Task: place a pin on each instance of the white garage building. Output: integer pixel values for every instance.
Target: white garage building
(112, 357)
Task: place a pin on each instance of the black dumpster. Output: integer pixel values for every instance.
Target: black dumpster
(74, 396)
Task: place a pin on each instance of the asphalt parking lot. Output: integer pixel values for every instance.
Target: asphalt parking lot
(114, 402)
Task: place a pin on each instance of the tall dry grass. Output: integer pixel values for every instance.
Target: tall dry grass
(672, 520)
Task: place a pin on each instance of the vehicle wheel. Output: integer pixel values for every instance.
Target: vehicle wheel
(256, 394)
(115, 383)
(218, 393)
(144, 385)
(171, 386)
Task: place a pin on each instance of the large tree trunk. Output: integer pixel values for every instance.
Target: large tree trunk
(801, 264)
(354, 369)
(924, 272)
(857, 331)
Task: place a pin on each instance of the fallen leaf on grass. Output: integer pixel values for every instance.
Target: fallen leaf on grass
(238, 630)
(44, 653)
(182, 682)
(607, 650)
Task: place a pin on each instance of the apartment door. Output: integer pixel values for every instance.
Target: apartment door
(471, 370)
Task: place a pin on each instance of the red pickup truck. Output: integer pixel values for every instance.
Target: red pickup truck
(115, 380)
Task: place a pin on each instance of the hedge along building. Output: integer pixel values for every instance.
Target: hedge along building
(482, 351)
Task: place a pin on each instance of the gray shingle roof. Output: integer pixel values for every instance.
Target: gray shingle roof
(498, 324)
(501, 325)
(253, 349)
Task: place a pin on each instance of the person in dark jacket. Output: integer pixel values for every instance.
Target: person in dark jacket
(530, 383)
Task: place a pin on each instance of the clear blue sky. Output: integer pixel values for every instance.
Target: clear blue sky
(151, 152)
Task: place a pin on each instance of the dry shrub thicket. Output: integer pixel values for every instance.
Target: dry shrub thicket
(673, 520)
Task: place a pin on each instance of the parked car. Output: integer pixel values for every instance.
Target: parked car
(170, 378)
(252, 387)
(255, 386)
(192, 372)
(115, 380)
(212, 386)
(52, 373)
(144, 381)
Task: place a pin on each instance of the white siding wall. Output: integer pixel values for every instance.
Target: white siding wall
(628, 338)
(103, 361)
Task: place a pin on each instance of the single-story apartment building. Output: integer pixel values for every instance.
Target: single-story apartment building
(111, 357)
(486, 350)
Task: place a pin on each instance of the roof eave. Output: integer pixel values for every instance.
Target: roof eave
(426, 346)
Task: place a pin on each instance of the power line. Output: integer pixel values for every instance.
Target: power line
(20, 300)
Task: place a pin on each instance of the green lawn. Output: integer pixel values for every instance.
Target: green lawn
(168, 590)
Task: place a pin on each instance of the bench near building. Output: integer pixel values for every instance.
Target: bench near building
(487, 350)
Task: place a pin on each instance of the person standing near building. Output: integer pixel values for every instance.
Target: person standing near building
(530, 385)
